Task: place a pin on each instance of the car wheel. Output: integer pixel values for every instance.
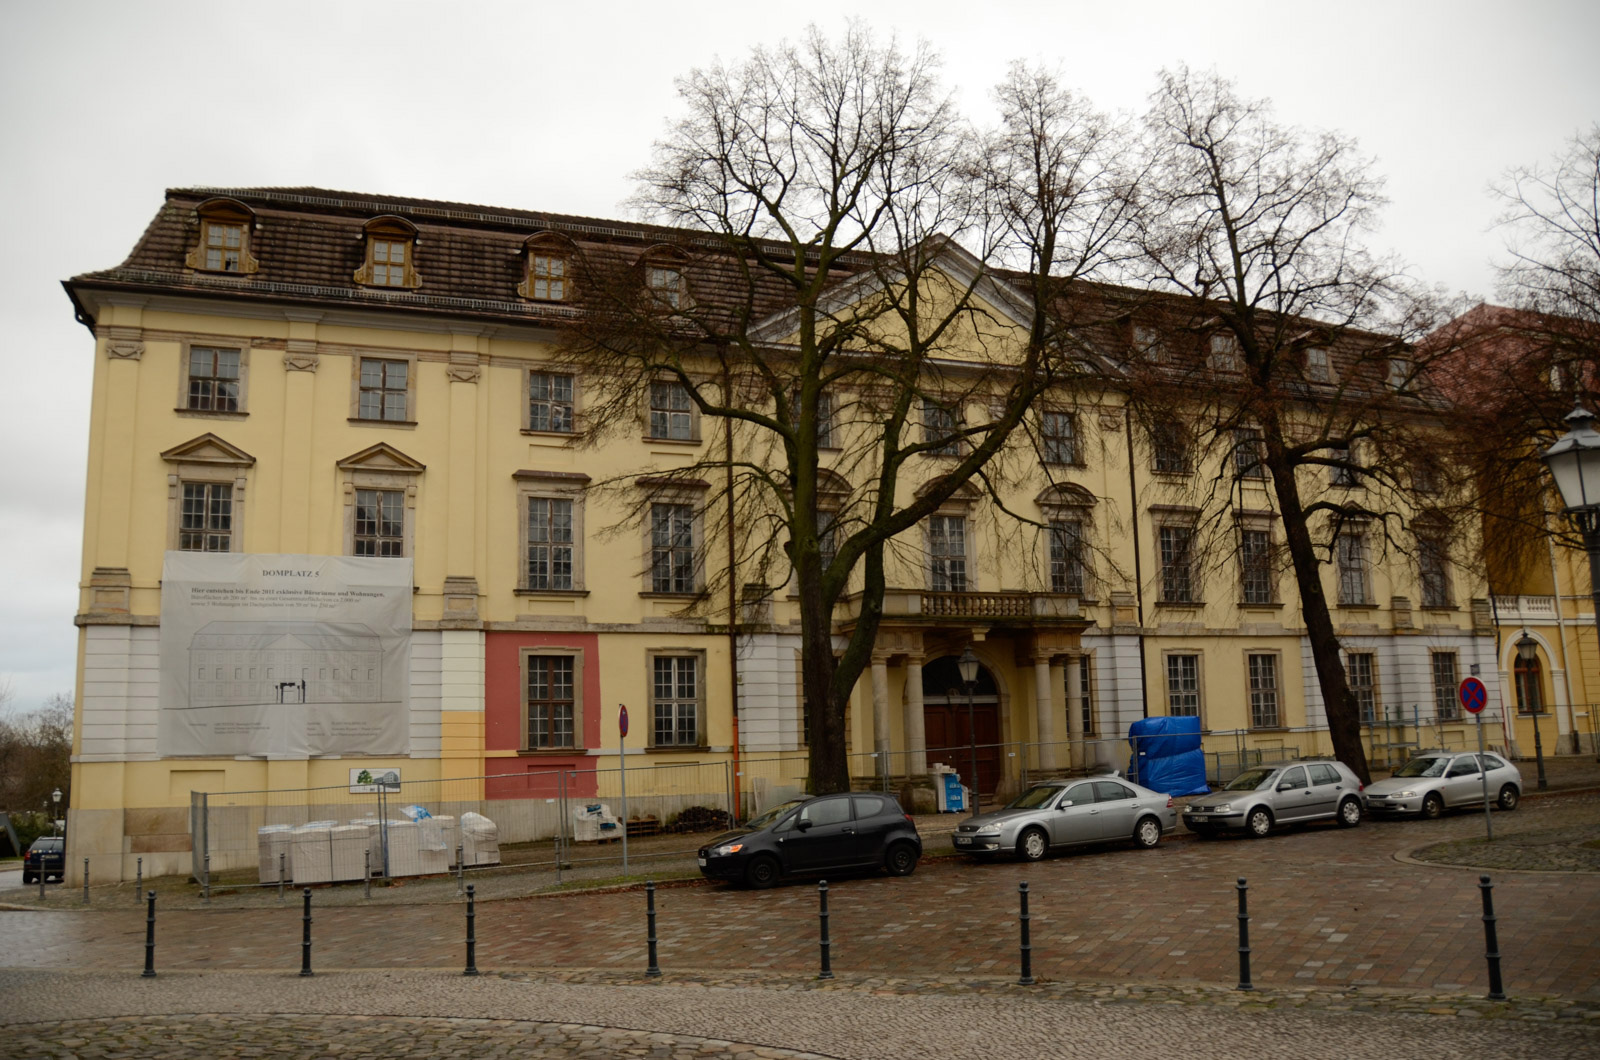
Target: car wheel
(1433, 807)
(1259, 823)
(1147, 833)
(901, 860)
(1033, 845)
(1349, 813)
(762, 872)
(1509, 797)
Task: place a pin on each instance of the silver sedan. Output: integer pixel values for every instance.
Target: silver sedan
(1067, 813)
(1435, 780)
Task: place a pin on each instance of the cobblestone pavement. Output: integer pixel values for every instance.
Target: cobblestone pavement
(1330, 908)
(1572, 846)
(431, 1014)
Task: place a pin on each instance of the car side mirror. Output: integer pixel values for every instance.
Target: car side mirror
(803, 824)
(1065, 803)
(1284, 787)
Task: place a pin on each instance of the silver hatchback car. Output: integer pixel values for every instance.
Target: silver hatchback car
(1066, 813)
(1435, 780)
(1257, 799)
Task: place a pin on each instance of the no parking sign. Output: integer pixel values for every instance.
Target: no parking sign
(1474, 697)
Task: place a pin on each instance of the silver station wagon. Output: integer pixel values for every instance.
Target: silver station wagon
(1067, 813)
(1258, 799)
(1435, 780)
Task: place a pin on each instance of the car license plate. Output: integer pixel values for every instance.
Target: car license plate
(702, 862)
(1197, 817)
(962, 842)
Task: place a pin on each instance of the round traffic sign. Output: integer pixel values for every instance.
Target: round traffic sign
(622, 718)
(1474, 697)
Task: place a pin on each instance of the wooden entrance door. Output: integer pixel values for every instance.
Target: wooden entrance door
(945, 717)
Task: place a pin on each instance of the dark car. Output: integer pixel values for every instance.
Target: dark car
(828, 833)
(47, 857)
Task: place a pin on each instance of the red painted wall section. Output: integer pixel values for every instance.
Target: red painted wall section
(503, 721)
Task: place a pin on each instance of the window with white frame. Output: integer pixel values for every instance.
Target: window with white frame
(547, 277)
(1148, 344)
(672, 550)
(1224, 353)
(1169, 448)
(665, 286)
(1360, 673)
(939, 424)
(1446, 686)
(1263, 691)
(1399, 372)
(206, 518)
(1183, 685)
(675, 701)
(380, 523)
(825, 425)
(1066, 556)
(224, 246)
(1086, 693)
(550, 544)
(1176, 543)
(671, 412)
(1255, 565)
(1248, 455)
(1318, 367)
(947, 553)
(1350, 552)
(213, 379)
(1058, 438)
(551, 704)
(384, 390)
(1435, 571)
(550, 399)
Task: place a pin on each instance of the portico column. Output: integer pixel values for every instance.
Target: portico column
(916, 733)
(1075, 708)
(880, 712)
(1044, 706)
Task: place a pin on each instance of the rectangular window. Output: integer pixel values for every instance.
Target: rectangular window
(1399, 372)
(675, 701)
(671, 414)
(551, 707)
(824, 418)
(1255, 565)
(947, 553)
(1086, 693)
(827, 536)
(547, 278)
(206, 520)
(1342, 475)
(1318, 369)
(1169, 446)
(666, 286)
(1264, 692)
(1066, 556)
(1058, 436)
(549, 543)
(1148, 345)
(213, 379)
(1247, 454)
(1351, 552)
(380, 523)
(388, 263)
(224, 246)
(1177, 584)
(1435, 574)
(938, 425)
(1446, 687)
(549, 402)
(1183, 686)
(672, 548)
(1224, 353)
(384, 387)
(1359, 672)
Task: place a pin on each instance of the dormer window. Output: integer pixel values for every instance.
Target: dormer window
(664, 277)
(666, 286)
(224, 245)
(1224, 353)
(391, 252)
(549, 272)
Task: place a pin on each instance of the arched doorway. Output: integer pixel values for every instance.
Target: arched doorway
(945, 717)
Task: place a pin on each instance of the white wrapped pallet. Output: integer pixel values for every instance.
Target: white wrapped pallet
(271, 841)
(433, 855)
(450, 836)
(348, 844)
(594, 821)
(405, 848)
(480, 840)
(312, 853)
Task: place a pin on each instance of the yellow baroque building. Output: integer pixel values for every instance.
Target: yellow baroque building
(304, 373)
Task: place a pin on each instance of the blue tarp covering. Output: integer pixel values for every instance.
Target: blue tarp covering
(1167, 756)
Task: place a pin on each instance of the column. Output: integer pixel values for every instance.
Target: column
(1075, 708)
(916, 733)
(1045, 708)
(880, 713)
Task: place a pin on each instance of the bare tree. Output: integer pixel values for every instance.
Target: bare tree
(1280, 351)
(829, 296)
(35, 754)
(1553, 219)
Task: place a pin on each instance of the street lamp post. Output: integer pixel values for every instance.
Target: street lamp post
(1528, 651)
(1574, 462)
(968, 665)
(55, 813)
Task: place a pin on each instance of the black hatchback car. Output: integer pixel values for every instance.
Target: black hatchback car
(827, 833)
(47, 857)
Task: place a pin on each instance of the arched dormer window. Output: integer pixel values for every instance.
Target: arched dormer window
(391, 253)
(224, 243)
(665, 276)
(548, 275)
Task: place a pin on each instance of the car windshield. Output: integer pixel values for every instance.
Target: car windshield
(1249, 780)
(761, 820)
(1423, 767)
(1034, 797)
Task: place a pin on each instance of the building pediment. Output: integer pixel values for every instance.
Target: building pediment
(208, 449)
(382, 457)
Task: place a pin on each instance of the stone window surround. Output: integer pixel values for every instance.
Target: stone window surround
(1279, 688)
(960, 505)
(701, 743)
(1199, 681)
(220, 343)
(410, 358)
(389, 228)
(396, 471)
(1066, 503)
(1261, 520)
(226, 212)
(649, 397)
(553, 485)
(576, 655)
(527, 374)
(547, 244)
(672, 491)
(229, 468)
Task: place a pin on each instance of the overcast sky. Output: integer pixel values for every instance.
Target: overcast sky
(543, 106)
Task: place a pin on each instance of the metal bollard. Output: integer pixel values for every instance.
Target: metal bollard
(150, 939)
(280, 876)
(1244, 937)
(85, 881)
(41, 879)
(461, 867)
(366, 876)
(305, 938)
(472, 937)
(1491, 941)
(1026, 979)
(138, 881)
(827, 962)
(653, 969)
(207, 882)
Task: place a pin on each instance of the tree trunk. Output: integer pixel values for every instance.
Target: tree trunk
(1344, 718)
(826, 716)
